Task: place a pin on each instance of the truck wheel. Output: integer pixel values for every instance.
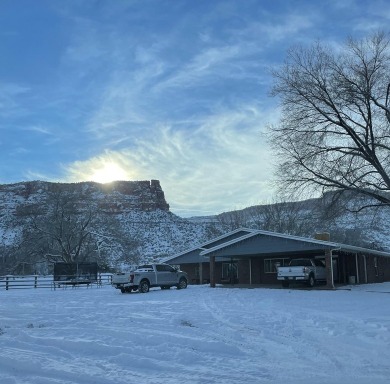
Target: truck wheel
(123, 290)
(311, 282)
(182, 283)
(143, 286)
(285, 284)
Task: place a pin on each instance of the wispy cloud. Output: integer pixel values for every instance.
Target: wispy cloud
(10, 98)
(203, 66)
(153, 122)
(38, 129)
(176, 91)
(281, 28)
(221, 164)
(34, 175)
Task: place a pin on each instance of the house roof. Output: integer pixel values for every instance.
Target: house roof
(248, 242)
(187, 257)
(193, 255)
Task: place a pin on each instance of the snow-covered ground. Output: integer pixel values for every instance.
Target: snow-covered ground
(197, 335)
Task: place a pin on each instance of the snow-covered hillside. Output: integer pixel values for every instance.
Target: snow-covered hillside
(197, 335)
(138, 213)
(342, 219)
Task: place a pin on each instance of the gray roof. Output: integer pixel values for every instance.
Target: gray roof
(193, 255)
(247, 242)
(187, 257)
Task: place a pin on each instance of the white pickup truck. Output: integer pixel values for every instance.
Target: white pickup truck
(151, 275)
(308, 271)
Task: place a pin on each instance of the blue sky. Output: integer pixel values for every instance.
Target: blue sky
(175, 90)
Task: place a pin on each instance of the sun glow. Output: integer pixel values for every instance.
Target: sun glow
(109, 172)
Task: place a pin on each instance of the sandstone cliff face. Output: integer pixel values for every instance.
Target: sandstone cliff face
(23, 199)
(122, 196)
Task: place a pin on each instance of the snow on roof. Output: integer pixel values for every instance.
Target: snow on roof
(201, 252)
(255, 232)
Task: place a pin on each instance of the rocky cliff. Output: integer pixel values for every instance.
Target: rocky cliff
(117, 197)
(136, 210)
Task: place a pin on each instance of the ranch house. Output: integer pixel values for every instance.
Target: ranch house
(250, 257)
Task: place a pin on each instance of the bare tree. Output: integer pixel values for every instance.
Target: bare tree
(115, 246)
(64, 233)
(333, 134)
(277, 216)
(73, 229)
(292, 218)
(232, 220)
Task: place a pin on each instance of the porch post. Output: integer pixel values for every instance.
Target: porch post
(250, 271)
(365, 268)
(200, 273)
(357, 269)
(212, 271)
(329, 269)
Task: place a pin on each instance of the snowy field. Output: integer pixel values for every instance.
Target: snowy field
(197, 335)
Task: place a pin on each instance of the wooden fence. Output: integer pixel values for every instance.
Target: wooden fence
(39, 281)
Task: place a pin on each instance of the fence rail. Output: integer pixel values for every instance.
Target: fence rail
(39, 281)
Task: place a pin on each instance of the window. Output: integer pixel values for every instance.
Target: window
(169, 268)
(270, 265)
(319, 263)
(165, 268)
(145, 267)
(229, 270)
(300, 263)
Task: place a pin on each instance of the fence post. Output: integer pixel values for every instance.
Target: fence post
(35, 281)
(6, 283)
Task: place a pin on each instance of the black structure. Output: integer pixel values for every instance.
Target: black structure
(75, 273)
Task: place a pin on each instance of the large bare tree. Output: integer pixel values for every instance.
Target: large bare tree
(74, 230)
(64, 233)
(334, 134)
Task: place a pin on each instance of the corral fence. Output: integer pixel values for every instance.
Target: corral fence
(40, 281)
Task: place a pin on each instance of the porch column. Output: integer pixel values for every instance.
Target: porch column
(250, 271)
(357, 269)
(200, 273)
(212, 271)
(329, 269)
(365, 269)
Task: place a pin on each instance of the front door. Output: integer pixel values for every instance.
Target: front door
(230, 272)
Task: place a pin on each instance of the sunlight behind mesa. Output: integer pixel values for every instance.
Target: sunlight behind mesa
(108, 172)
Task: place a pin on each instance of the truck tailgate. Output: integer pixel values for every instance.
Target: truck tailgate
(121, 278)
(290, 272)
